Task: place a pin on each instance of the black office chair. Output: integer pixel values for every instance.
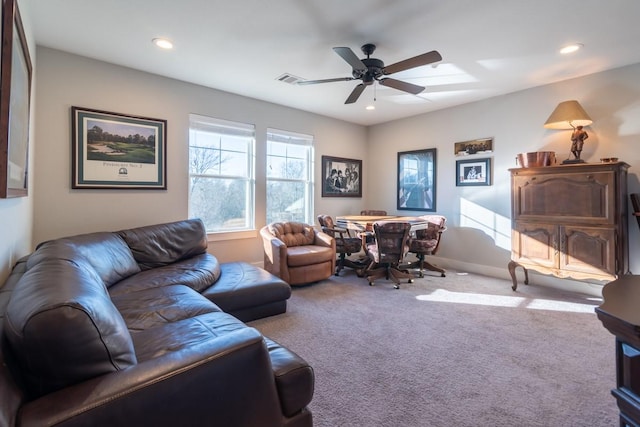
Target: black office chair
(426, 242)
(387, 252)
(345, 245)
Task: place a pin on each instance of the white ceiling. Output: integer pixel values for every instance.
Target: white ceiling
(489, 47)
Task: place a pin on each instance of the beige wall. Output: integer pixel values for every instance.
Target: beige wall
(16, 214)
(67, 80)
(479, 217)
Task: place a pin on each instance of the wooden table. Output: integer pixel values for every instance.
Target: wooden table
(619, 313)
(362, 223)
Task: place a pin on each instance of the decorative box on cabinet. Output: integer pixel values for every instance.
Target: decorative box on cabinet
(570, 221)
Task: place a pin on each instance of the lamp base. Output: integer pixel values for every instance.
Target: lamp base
(572, 161)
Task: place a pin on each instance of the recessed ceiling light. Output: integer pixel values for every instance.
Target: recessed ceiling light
(571, 48)
(370, 107)
(163, 43)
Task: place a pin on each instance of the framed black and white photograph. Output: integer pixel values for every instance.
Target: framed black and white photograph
(417, 180)
(112, 150)
(341, 177)
(473, 172)
(15, 95)
(476, 146)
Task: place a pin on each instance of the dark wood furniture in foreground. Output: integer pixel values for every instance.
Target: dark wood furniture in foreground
(570, 221)
(620, 315)
(635, 204)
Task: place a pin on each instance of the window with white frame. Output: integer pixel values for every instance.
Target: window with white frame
(221, 173)
(289, 177)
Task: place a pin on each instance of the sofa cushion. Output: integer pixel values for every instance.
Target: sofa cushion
(148, 308)
(198, 273)
(161, 244)
(293, 233)
(63, 327)
(242, 286)
(298, 256)
(107, 253)
(173, 336)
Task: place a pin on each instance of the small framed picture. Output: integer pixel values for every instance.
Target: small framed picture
(473, 172)
(112, 150)
(341, 177)
(476, 146)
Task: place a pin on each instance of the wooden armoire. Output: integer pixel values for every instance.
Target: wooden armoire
(570, 221)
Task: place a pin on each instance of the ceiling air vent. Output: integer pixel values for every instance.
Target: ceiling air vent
(289, 78)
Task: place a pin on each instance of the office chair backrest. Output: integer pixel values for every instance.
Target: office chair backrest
(392, 241)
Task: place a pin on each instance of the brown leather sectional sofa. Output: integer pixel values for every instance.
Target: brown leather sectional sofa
(144, 327)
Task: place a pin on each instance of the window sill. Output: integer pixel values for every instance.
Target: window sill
(232, 235)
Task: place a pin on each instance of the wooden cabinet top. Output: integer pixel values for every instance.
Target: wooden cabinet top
(577, 168)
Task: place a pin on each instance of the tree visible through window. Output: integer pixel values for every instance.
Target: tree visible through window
(221, 171)
(289, 177)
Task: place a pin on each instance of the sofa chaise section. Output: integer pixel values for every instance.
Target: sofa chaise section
(92, 334)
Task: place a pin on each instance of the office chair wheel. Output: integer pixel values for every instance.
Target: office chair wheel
(410, 281)
(396, 286)
(370, 283)
(443, 275)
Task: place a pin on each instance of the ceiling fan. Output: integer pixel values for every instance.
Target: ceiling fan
(370, 70)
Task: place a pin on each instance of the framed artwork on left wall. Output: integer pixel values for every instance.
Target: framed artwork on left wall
(341, 177)
(15, 94)
(118, 151)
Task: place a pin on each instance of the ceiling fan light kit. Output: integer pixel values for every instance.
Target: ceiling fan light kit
(370, 70)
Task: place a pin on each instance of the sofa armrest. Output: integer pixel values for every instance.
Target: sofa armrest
(226, 381)
(275, 255)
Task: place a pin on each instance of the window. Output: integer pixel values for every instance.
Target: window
(289, 177)
(221, 172)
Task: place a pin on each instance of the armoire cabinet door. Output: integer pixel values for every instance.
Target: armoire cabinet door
(535, 243)
(588, 250)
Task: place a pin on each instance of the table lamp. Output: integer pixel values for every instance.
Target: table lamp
(571, 115)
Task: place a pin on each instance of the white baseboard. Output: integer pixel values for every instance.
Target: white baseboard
(537, 279)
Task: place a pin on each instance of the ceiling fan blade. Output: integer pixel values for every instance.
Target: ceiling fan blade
(355, 94)
(400, 85)
(416, 61)
(348, 55)
(313, 82)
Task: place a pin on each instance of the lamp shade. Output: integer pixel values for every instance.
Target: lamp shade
(568, 115)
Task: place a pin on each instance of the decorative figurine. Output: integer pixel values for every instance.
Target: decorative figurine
(577, 141)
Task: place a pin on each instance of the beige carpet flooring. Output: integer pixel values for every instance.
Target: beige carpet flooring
(461, 350)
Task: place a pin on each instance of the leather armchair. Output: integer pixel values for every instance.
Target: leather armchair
(297, 252)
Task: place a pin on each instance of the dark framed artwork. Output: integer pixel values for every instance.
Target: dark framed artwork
(112, 150)
(15, 96)
(341, 177)
(473, 172)
(417, 180)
